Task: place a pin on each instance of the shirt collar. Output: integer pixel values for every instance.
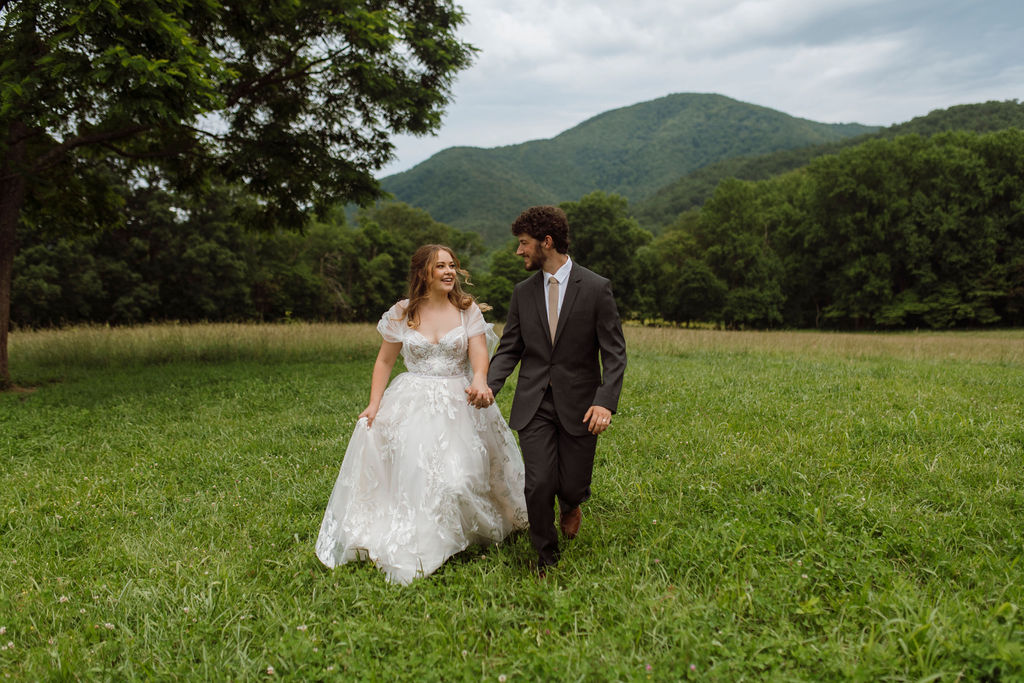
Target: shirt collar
(562, 274)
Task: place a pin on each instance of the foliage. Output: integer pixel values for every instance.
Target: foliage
(494, 287)
(659, 209)
(604, 238)
(676, 285)
(777, 512)
(293, 100)
(919, 231)
(985, 117)
(630, 152)
(189, 259)
(908, 232)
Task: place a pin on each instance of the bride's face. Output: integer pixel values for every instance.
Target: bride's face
(442, 275)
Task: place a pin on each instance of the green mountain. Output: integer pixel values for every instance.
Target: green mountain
(632, 151)
(690, 191)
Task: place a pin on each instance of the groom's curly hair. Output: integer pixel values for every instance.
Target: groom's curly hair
(538, 221)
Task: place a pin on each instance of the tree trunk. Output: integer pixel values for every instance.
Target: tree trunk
(12, 196)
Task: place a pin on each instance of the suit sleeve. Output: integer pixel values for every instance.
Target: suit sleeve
(613, 350)
(510, 348)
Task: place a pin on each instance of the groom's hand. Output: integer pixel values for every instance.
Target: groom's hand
(599, 418)
(479, 398)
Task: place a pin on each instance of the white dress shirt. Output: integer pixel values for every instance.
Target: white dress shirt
(562, 275)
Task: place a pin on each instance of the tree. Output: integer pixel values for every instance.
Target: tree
(733, 237)
(495, 286)
(677, 285)
(920, 231)
(294, 99)
(412, 228)
(605, 238)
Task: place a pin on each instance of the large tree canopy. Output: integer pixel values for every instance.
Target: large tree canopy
(295, 99)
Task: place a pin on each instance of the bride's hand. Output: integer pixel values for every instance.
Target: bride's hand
(480, 395)
(370, 414)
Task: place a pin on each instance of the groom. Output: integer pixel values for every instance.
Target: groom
(563, 327)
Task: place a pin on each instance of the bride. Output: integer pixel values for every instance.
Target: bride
(426, 474)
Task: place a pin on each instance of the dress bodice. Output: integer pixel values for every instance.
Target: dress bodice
(447, 358)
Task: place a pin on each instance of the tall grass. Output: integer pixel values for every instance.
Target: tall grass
(989, 345)
(100, 346)
(784, 506)
(53, 352)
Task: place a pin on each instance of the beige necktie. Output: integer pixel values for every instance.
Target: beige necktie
(553, 305)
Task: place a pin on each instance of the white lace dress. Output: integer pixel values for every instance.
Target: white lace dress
(433, 474)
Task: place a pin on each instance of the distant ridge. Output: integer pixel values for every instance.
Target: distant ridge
(632, 151)
(662, 207)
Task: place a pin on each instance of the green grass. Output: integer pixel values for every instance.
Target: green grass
(780, 506)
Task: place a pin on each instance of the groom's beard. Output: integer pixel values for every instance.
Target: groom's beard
(531, 262)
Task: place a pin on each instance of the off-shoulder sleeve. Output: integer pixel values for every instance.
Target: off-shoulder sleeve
(392, 323)
(476, 325)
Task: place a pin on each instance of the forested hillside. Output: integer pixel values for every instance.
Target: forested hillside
(690, 191)
(631, 151)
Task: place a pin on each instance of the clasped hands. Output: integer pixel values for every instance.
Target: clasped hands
(479, 396)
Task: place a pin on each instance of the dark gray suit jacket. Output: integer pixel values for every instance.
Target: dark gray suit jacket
(588, 339)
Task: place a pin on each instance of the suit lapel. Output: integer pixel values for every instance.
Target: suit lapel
(570, 299)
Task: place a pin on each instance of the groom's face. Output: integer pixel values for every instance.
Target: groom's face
(532, 251)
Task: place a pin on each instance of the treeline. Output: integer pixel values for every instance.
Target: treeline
(901, 233)
(892, 233)
(176, 257)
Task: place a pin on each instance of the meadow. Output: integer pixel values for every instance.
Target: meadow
(767, 506)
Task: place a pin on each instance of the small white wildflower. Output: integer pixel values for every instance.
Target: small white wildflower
(63, 598)
(302, 627)
(270, 671)
(502, 678)
(3, 630)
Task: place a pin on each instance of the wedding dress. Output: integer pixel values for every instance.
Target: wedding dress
(433, 474)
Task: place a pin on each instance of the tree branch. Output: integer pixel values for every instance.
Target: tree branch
(243, 90)
(157, 154)
(52, 157)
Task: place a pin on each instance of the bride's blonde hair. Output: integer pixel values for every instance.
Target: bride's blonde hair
(420, 269)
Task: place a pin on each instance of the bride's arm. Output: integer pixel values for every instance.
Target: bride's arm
(386, 358)
(479, 393)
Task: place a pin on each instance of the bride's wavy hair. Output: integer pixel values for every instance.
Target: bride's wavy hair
(421, 267)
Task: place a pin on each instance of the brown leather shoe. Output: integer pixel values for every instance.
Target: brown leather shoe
(570, 522)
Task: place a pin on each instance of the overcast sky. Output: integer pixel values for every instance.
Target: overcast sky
(546, 65)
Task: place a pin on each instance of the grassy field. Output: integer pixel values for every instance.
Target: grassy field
(783, 506)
